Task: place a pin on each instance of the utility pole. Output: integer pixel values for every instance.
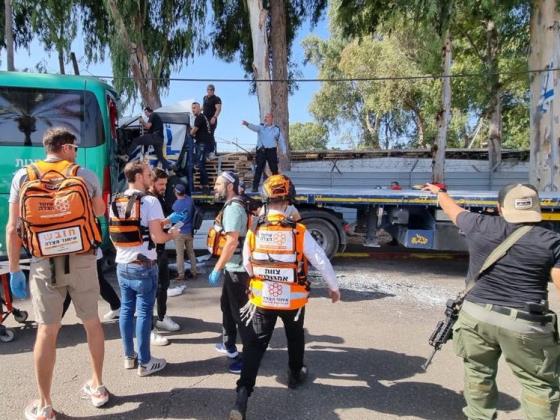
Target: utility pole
(544, 170)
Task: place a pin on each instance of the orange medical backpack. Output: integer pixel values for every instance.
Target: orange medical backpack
(56, 211)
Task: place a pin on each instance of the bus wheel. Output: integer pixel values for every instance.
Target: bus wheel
(324, 233)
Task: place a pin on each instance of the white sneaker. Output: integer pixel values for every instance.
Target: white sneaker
(109, 316)
(130, 362)
(158, 340)
(153, 366)
(175, 291)
(167, 324)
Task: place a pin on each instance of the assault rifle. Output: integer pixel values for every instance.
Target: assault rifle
(444, 329)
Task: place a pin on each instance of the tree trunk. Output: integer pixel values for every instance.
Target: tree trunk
(61, 61)
(545, 113)
(371, 126)
(138, 59)
(9, 34)
(261, 71)
(495, 104)
(279, 49)
(444, 115)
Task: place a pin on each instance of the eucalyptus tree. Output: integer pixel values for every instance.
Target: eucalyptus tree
(260, 33)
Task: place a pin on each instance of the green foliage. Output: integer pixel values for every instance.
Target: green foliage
(403, 38)
(54, 22)
(308, 136)
(231, 34)
(169, 31)
(22, 27)
(385, 111)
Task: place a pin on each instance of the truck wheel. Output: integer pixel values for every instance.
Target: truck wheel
(324, 233)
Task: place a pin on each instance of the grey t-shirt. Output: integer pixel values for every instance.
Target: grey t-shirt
(522, 275)
(88, 176)
(235, 220)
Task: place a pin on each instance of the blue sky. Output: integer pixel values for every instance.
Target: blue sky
(238, 103)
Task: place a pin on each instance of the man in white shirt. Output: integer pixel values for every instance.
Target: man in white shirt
(137, 270)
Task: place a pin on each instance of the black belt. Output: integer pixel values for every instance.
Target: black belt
(540, 318)
(144, 263)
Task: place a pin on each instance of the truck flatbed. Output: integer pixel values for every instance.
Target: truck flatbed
(356, 196)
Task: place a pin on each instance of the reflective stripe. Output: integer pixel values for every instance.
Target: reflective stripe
(266, 257)
(294, 295)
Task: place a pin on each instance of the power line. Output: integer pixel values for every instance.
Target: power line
(342, 79)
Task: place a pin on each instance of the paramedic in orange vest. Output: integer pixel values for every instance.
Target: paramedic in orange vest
(234, 290)
(48, 288)
(275, 255)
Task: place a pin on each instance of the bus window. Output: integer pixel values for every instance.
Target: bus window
(26, 113)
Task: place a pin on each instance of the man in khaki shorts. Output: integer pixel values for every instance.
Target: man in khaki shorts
(52, 278)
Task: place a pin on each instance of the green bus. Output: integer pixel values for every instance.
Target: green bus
(31, 103)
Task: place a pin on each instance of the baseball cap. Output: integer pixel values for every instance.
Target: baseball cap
(180, 188)
(520, 203)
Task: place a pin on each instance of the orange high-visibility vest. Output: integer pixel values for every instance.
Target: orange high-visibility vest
(216, 239)
(279, 266)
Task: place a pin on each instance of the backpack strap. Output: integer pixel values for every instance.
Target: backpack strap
(72, 170)
(131, 201)
(33, 172)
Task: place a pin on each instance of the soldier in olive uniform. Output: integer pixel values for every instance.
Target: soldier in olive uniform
(506, 312)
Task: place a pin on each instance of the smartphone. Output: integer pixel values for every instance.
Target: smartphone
(177, 226)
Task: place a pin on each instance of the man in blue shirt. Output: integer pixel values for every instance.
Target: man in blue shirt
(269, 137)
(184, 204)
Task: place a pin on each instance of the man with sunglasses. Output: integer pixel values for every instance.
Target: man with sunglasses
(50, 279)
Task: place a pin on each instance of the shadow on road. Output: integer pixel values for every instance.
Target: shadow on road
(73, 334)
(341, 379)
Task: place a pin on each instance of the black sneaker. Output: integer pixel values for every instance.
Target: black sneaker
(297, 378)
(240, 408)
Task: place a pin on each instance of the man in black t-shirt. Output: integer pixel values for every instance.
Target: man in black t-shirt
(203, 143)
(507, 310)
(211, 108)
(154, 137)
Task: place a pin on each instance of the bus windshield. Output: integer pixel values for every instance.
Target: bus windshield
(26, 113)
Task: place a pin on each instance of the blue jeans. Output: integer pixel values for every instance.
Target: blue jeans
(138, 286)
(201, 154)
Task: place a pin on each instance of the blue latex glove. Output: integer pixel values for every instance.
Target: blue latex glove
(176, 217)
(17, 285)
(214, 277)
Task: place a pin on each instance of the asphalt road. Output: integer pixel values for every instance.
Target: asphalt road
(364, 355)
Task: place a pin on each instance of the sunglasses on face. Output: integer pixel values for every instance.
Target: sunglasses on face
(74, 146)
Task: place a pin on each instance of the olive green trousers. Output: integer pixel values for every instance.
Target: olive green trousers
(481, 336)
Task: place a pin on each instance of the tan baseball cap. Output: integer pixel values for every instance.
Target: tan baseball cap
(520, 203)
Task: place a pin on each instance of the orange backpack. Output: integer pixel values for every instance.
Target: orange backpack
(56, 211)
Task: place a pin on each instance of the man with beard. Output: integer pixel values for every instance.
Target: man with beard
(163, 322)
(230, 227)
